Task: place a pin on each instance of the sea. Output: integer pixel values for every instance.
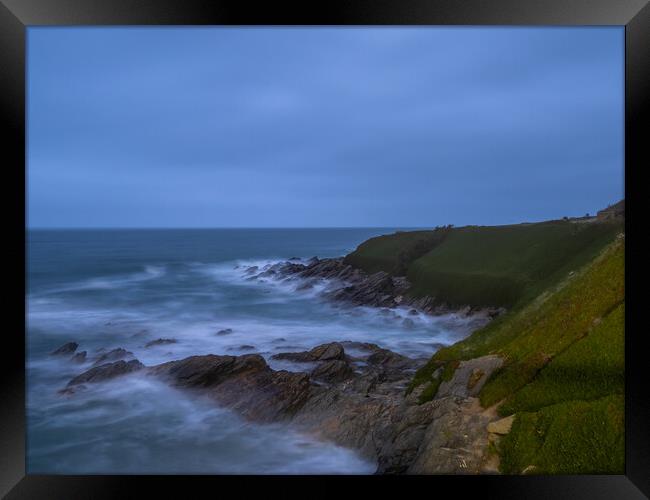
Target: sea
(109, 288)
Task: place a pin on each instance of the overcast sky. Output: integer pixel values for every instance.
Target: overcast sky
(276, 127)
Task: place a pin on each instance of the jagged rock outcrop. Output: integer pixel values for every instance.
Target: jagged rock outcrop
(160, 342)
(324, 352)
(353, 286)
(79, 357)
(65, 349)
(113, 355)
(355, 399)
(245, 383)
(107, 371)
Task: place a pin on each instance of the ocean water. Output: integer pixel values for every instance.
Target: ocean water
(123, 288)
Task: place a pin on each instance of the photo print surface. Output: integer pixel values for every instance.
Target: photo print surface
(393, 250)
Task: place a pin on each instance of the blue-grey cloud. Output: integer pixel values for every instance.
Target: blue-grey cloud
(322, 126)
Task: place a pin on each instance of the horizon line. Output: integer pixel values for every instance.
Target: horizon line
(55, 228)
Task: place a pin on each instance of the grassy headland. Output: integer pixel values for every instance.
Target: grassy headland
(486, 265)
(561, 340)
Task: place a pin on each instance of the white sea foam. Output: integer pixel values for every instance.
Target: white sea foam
(136, 424)
(150, 272)
(131, 441)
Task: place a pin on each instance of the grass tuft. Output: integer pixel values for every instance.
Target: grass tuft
(575, 437)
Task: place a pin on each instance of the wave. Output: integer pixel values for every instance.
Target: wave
(150, 272)
(149, 427)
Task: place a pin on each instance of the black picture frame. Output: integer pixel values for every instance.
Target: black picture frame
(17, 15)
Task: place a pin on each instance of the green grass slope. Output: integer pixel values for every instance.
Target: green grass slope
(575, 437)
(506, 265)
(589, 369)
(383, 253)
(486, 265)
(562, 339)
(562, 375)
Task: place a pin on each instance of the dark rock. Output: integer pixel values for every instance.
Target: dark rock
(365, 346)
(413, 312)
(69, 391)
(303, 356)
(286, 347)
(68, 348)
(225, 331)
(325, 352)
(306, 285)
(244, 347)
(113, 355)
(408, 323)
(389, 360)
(322, 352)
(107, 371)
(366, 410)
(244, 383)
(333, 371)
(80, 357)
(160, 342)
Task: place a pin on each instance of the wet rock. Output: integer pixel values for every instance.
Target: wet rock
(355, 287)
(65, 349)
(113, 355)
(244, 347)
(225, 331)
(364, 346)
(306, 285)
(79, 357)
(389, 360)
(160, 342)
(245, 383)
(107, 371)
(333, 371)
(324, 352)
(365, 409)
(408, 323)
(70, 391)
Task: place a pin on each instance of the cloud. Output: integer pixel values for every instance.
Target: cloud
(321, 126)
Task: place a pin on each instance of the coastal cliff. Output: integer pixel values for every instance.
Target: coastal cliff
(537, 388)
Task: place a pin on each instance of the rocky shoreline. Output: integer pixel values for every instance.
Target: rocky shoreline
(353, 394)
(353, 286)
(350, 393)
